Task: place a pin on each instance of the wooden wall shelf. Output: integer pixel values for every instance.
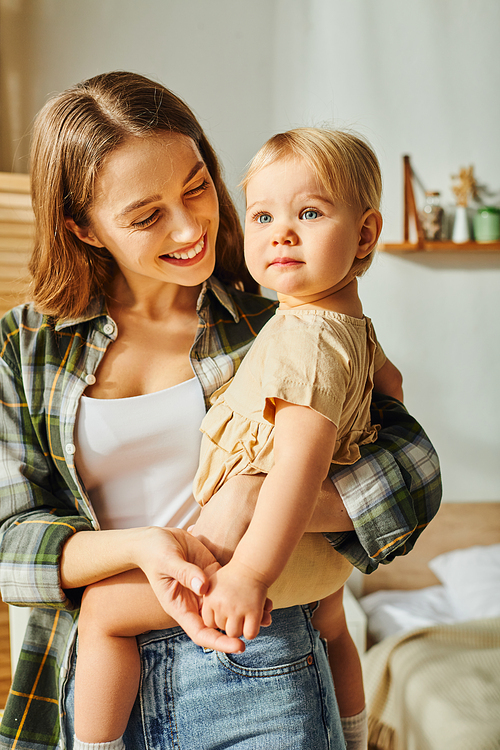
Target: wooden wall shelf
(442, 246)
(421, 244)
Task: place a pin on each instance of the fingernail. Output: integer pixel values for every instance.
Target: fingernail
(196, 585)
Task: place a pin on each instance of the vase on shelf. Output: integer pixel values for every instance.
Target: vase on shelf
(461, 231)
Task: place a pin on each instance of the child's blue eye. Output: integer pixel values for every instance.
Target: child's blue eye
(264, 218)
(311, 213)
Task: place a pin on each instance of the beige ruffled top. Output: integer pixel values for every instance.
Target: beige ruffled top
(320, 359)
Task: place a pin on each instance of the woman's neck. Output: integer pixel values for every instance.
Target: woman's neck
(150, 299)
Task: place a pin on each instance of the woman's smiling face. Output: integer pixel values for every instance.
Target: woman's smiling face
(156, 211)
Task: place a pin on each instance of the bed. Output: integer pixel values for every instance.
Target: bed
(432, 671)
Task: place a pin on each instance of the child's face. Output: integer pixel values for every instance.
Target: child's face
(297, 241)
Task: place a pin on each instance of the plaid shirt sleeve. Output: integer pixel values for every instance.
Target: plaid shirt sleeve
(36, 518)
(391, 493)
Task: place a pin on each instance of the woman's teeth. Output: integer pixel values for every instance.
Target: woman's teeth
(190, 253)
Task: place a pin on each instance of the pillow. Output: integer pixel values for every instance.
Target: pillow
(472, 580)
(391, 612)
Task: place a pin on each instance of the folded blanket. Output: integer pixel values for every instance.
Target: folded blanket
(436, 688)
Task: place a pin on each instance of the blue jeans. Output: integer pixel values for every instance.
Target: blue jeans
(278, 694)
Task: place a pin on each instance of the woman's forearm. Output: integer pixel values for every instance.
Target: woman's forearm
(91, 556)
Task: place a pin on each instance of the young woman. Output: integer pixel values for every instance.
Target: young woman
(141, 310)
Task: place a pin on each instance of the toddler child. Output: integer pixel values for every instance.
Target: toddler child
(299, 402)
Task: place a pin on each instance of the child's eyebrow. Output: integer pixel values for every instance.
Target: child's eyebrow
(255, 203)
(315, 197)
(304, 198)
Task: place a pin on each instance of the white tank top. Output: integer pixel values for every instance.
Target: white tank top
(137, 456)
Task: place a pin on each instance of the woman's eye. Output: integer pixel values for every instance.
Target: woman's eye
(147, 221)
(199, 188)
(310, 213)
(263, 218)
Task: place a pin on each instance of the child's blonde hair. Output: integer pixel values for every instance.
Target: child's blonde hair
(344, 163)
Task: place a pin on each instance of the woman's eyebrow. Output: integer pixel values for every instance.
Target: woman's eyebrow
(199, 165)
(152, 198)
(138, 204)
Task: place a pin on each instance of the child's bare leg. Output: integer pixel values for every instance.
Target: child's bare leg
(107, 676)
(345, 665)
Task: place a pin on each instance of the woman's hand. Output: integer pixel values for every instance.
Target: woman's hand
(176, 565)
(179, 583)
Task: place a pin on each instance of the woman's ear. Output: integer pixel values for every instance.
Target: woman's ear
(369, 232)
(85, 234)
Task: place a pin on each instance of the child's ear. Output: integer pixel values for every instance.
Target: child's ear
(370, 227)
(85, 234)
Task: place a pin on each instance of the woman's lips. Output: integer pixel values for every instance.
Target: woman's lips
(187, 257)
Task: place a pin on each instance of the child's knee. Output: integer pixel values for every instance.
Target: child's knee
(94, 610)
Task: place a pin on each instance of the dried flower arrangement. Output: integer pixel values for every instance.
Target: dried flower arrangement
(466, 187)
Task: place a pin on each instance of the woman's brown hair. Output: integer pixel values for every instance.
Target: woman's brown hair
(73, 134)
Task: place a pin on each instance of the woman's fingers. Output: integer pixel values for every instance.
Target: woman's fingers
(187, 560)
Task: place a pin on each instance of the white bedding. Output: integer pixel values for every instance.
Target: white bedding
(437, 687)
(469, 590)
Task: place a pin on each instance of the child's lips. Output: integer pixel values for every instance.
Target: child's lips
(286, 262)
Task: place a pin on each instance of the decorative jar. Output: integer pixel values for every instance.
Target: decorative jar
(487, 224)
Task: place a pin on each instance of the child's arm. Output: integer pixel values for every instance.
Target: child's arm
(304, 442)
(389, 381)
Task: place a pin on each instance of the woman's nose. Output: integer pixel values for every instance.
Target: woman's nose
(185, 226)
(284, 236)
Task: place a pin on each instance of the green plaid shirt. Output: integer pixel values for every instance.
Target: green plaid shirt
(391, 493)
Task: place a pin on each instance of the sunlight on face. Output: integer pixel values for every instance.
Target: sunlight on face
(297, 241)
(156, 211)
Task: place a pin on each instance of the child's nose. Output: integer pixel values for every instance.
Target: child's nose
(284, 236)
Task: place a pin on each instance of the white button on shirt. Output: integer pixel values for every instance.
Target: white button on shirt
(90, 379)
(70, 449)
(108, 329)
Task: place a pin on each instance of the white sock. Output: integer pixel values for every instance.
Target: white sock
(113, 745)
(355, 730)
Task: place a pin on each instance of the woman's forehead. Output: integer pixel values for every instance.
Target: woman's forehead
(142, 166)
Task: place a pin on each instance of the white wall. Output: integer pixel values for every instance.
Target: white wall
(415, 77)
(216, 55)
(418, 78)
